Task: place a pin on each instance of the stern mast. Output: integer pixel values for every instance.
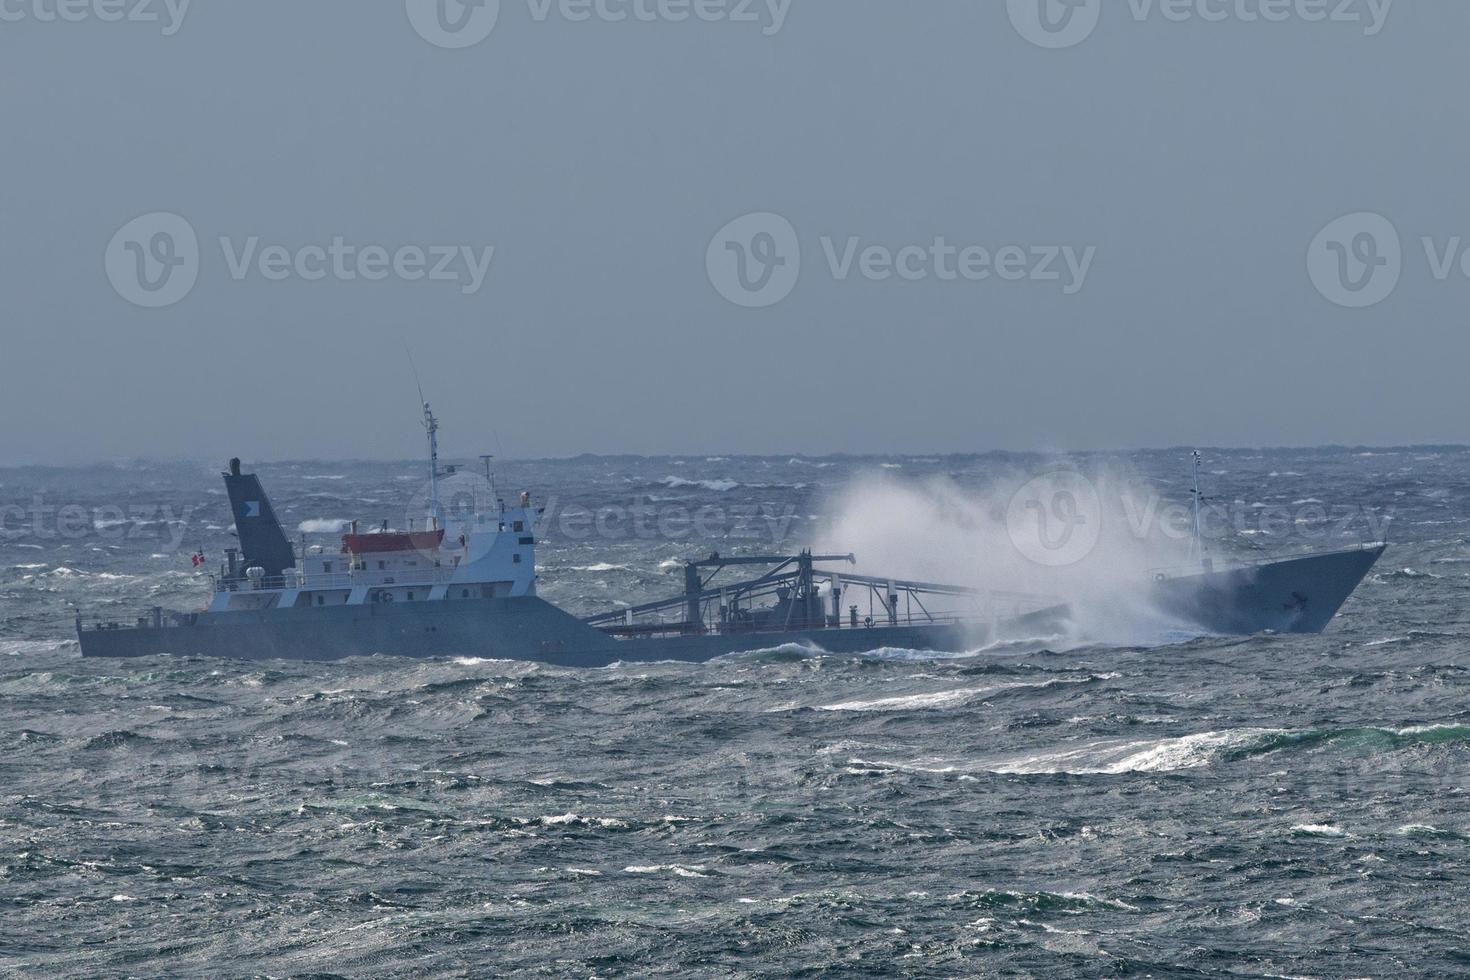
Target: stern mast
(1197, 547)
(431, 426)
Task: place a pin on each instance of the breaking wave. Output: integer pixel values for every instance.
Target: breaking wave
(1114, 757)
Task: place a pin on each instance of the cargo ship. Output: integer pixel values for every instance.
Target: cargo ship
(464, 584)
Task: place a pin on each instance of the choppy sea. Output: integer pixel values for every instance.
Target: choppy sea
(1185, 806)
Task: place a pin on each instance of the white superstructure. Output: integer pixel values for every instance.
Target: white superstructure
(481, 549)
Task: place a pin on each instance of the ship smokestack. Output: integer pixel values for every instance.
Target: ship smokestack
(262, 541)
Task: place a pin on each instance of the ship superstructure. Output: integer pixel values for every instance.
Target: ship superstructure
(471, 553)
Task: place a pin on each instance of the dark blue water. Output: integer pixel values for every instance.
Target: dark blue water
(1290, 806)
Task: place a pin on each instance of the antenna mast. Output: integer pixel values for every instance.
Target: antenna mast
(431, 426)
(1198, 549)
(490, 479)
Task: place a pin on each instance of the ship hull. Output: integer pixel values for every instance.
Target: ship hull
(1294, 595)
(1299, 595)
(524, 628)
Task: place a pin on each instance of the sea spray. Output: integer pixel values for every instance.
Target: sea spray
(994, 537)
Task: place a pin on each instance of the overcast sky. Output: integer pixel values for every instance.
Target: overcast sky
(1092, 232)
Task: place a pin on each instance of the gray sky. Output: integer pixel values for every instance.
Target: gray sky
(1188, 163)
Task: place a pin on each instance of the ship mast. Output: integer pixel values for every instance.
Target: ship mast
(1197, 549)
(431, 426)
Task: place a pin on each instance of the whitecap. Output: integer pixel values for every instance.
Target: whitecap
(1116, 758)
(1318, 830)
(951, 698)
(717, 486)
(683, 871)
(575, 820)
(934, 699)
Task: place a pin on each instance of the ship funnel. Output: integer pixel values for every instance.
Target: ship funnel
(262, 541)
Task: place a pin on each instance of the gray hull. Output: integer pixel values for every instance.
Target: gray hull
(509, 629)
(1294, 595)
(1299, 595)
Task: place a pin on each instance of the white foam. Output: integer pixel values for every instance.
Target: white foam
(1318, 830)
(957, 696)
(1115, 758)
(575, 820)
(717, 486)
(1418, 829)
(20, 648)
(683, 871)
